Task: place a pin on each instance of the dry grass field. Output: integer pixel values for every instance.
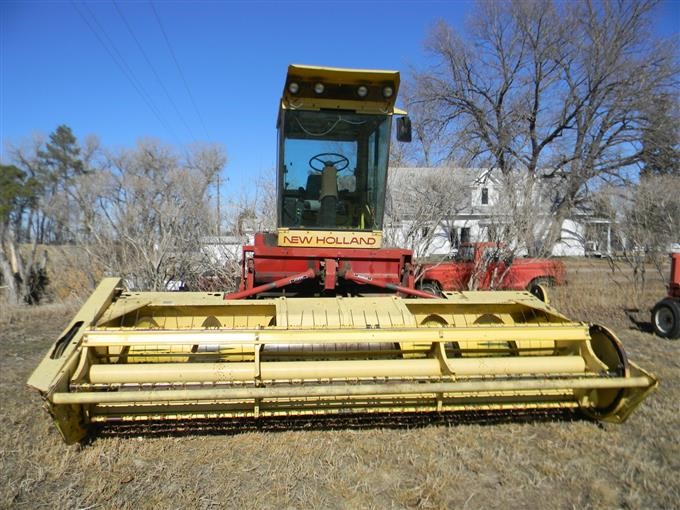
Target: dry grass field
(446, 463)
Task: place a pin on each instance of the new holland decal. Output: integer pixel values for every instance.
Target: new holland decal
(321, 239)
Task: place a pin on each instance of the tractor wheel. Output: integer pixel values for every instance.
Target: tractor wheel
(432, 287)
(666, 318)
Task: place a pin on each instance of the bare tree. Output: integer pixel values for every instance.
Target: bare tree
(661, 136)
(31, 220)
(651, 222)
(420, 207)
(52, 166)
(552, 89)
(423, 151)
(147, 211)
(646, 224)
(519, 215)
(254, 208)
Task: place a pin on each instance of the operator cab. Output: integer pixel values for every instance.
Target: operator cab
(334, 168)
(334, 137)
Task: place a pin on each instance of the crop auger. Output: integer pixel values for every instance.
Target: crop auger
(338, 325)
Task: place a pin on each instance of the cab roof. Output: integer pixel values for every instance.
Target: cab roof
(340, 89)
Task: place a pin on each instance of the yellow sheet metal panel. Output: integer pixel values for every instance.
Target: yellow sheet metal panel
(185, 310)
(343, 74)
(340, 87)
(360, 313)
(54, 369)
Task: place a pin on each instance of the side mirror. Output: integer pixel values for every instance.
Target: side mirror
(404, 129)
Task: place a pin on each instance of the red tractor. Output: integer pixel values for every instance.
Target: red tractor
(666, 313)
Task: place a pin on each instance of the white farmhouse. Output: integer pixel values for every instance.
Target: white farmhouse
(434, 210)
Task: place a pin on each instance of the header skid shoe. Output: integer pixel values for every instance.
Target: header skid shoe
(129, 357)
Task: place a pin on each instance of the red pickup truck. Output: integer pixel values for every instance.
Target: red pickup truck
(484, 266)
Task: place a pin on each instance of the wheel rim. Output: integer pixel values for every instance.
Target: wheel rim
(663, 319)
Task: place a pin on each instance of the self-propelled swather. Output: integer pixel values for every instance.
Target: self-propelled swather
(326, 321)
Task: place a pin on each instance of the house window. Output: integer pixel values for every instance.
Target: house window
(465, 235)
(485, 196)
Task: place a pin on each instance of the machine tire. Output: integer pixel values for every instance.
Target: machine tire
(666, 318)
(544, 281)
(539, 287)
(432, 287)
(540, 292)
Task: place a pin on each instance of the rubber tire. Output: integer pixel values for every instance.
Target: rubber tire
(432, 287)
(671, 306)
(540, 292)
(545, 281)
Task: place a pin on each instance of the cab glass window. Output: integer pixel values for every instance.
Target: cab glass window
(332, 170)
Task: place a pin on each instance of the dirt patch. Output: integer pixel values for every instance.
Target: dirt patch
(556, 463)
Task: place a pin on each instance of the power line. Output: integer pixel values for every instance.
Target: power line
(123, 66)
(179, 68)
(153, 69)
(191, 96)
(133, 78)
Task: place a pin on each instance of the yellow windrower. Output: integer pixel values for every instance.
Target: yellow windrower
(181, 356)
(129, 357)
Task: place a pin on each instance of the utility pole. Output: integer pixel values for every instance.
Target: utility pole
(219, 218)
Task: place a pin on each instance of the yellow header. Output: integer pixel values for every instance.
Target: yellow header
(329, 239)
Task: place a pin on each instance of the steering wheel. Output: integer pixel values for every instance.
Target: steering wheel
(323, 159)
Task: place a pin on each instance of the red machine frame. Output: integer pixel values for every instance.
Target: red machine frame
(266, 267)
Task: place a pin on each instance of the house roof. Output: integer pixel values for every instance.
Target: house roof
(466, 176)
(403, 179)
